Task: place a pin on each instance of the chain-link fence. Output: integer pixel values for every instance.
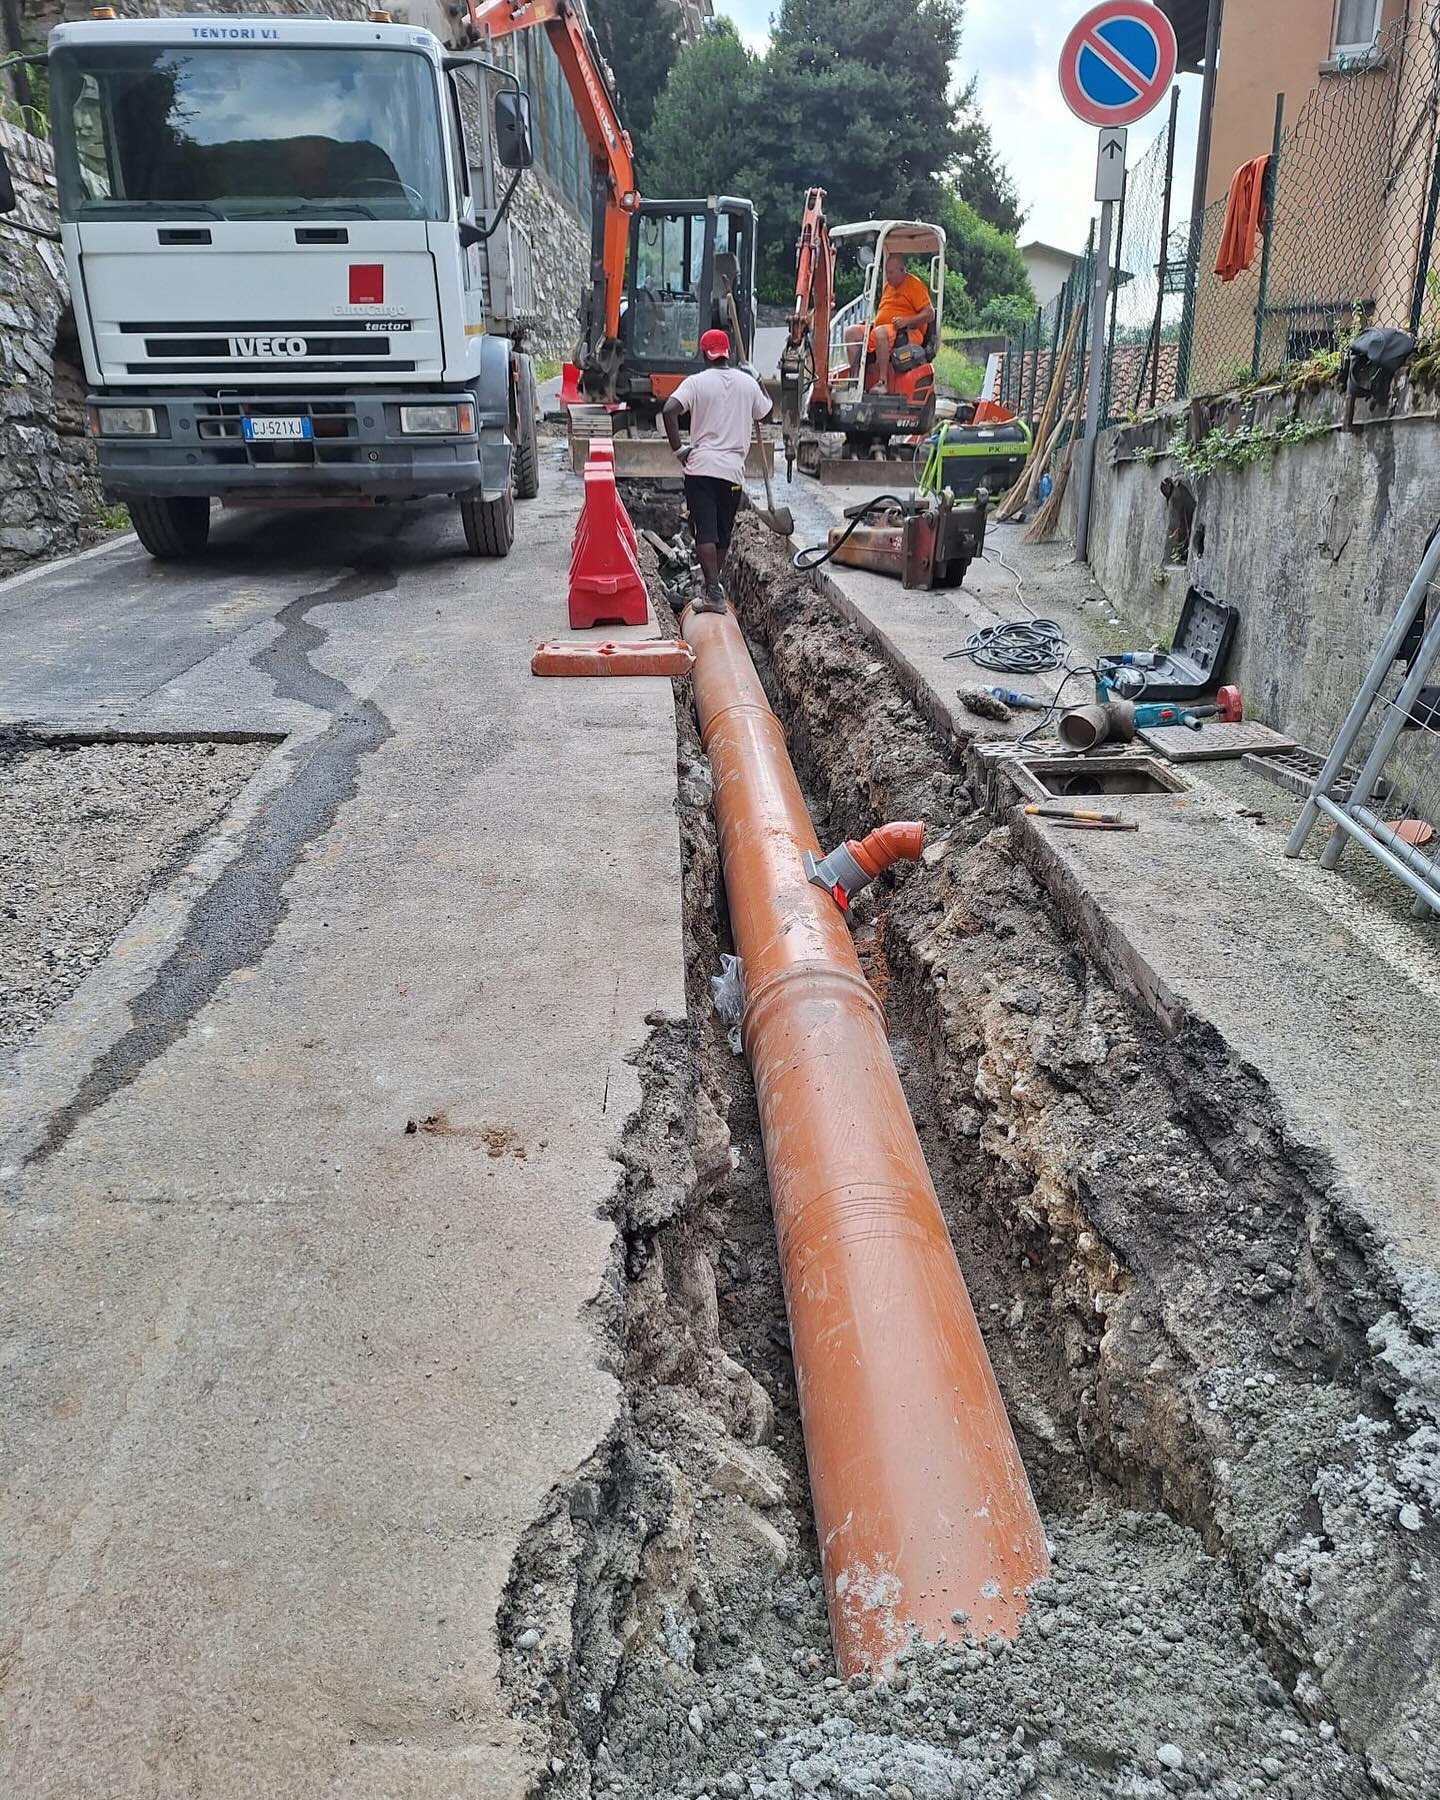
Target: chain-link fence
(1033, 359)
(1345, 237)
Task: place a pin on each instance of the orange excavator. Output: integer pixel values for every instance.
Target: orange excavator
(829, 377)
(661, 271)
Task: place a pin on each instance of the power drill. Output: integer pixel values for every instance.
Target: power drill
(1227, 707)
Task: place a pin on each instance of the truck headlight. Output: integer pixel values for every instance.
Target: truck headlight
(122, 421)
(438, 421)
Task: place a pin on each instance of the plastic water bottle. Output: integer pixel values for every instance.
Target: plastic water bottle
(1045, 486)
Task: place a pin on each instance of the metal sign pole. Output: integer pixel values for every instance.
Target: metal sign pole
(1109, 186)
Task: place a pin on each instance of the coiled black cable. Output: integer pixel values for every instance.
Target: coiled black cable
(1017, 647)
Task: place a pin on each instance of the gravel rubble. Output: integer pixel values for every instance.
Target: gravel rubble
(86, 831)
(1133, 1676)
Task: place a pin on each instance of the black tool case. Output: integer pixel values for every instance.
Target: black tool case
(1195, 662)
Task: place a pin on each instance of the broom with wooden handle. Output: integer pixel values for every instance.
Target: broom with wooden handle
(1047, 521)
(1046, 430)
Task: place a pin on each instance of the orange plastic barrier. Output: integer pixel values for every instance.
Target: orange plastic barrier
(570, 384)
(649, 656)
(606, 586)
(922, 1506)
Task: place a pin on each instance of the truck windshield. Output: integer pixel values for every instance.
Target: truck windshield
(246, 133)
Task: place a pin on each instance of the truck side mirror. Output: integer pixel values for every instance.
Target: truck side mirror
(513, 143)
(7, 186)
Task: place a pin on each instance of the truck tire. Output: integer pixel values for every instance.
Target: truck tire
(527, 443)
(489, 524)
(172, 529)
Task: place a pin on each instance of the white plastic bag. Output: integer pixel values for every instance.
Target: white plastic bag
(727, 991)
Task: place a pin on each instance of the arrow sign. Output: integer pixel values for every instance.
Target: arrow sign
(1117, 62)
(1110, 164)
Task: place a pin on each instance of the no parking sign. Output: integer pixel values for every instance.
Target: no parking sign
(1117, 62)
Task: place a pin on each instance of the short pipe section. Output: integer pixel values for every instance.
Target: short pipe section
(922, 1506)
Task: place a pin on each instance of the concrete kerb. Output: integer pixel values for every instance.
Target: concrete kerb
(53, 565)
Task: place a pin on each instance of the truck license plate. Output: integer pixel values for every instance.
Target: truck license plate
(285, 426)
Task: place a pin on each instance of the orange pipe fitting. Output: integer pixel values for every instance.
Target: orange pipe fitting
(887, 844)
(921, 1502)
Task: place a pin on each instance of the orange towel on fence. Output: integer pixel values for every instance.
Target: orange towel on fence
(1244, 217)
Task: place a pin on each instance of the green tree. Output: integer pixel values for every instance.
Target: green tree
(638, 40)
(980, 178)
(696, 143)
(858, 99)
(1008, 313)
(987, 261)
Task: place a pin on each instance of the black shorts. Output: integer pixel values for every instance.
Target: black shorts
(713, 504)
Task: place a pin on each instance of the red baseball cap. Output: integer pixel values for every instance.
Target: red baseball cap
(714, 344)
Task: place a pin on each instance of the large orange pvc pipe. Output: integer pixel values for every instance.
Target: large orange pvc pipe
(921, 1502)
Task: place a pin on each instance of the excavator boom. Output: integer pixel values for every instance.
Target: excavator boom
(616, 198)
(805, 360)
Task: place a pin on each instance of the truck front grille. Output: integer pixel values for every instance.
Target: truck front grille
(333, 423)
(288, 365)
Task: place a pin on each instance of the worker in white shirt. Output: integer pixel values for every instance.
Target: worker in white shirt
(723, 404)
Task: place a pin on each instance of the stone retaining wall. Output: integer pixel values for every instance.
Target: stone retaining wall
(560, 250)
(49, 499)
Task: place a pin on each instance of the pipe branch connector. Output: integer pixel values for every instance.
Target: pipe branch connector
(850, 868)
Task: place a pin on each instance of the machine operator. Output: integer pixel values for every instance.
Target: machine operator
(902, 317)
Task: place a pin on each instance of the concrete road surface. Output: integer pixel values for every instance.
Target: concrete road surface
(286, 1379)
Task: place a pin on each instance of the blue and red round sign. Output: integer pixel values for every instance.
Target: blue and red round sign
(1117, 62)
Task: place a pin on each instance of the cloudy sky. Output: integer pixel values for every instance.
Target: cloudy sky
(1014, 49)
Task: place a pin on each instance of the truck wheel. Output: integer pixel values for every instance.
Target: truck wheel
(489, 524)
(172, 529)
(527, 446)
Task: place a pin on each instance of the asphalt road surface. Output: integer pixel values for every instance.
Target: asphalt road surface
(286, 1378)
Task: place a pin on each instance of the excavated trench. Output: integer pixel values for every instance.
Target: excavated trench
(1185, 1333)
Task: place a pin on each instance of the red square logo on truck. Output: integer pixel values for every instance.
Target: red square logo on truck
(367, 284)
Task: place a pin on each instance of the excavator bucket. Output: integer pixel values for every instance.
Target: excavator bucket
(644, 458)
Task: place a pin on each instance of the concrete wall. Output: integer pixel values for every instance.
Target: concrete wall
(49, 501)
(1316, 548)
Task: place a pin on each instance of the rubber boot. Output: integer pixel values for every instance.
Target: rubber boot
(712, 600)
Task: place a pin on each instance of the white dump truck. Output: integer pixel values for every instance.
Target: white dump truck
(293, 275)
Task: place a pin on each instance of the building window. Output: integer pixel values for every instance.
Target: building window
(1357, 25)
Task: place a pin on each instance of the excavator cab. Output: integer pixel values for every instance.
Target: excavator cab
(836, 382)
(870, 409)
(691, 268)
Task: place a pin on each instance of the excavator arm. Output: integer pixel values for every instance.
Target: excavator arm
(616, 198)
(805, 360)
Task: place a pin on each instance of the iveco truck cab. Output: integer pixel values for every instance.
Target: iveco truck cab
(291, 271)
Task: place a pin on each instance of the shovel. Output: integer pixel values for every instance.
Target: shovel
(776, 517)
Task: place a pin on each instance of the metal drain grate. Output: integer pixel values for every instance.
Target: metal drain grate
(1297, 770)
